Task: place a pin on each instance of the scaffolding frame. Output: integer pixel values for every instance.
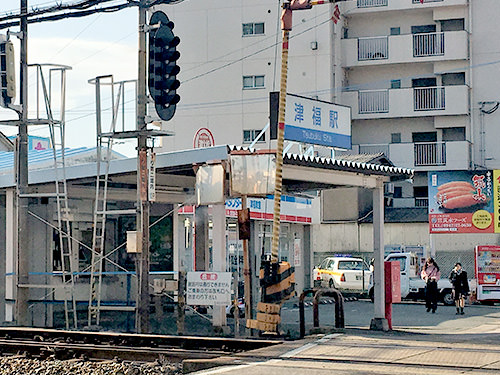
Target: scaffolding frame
(105, 141)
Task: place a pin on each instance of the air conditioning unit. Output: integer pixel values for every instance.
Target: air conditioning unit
(389, 188)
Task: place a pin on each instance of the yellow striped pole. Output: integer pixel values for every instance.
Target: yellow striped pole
(288, 6)
(279, 149)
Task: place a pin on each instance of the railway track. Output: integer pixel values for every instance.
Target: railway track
(46, 344)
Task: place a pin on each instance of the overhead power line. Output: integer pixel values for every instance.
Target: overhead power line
(43, 16)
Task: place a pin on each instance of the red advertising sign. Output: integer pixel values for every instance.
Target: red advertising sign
(461, 202)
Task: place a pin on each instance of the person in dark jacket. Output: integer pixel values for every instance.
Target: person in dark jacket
(458, 279)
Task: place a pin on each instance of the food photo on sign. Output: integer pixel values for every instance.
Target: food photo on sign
(461, 202)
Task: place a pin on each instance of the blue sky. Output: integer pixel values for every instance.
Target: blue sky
(95, 45)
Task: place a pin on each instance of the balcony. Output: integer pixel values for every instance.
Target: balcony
(400, 49)
(371, 3)
(364, 6)
(423, 156)
(407, 102)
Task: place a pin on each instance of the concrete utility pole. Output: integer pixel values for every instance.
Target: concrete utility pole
(22, 180)
(142, 265)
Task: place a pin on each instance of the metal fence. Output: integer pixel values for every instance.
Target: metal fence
(425, 1)
(375, 48)
(429, 98)
(428, 44)
(373, 101)
(421, 202)
(372, 3)
(430, 153)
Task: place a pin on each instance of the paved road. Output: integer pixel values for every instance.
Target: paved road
(422, 343)
(406, 316)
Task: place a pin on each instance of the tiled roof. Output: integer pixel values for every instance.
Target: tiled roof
(378, 158)
(337, 164)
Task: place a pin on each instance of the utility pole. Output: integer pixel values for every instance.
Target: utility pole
(22, 179)
(142, 265)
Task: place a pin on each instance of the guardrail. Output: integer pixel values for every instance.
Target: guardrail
(371, 3)
(373, 101)
(373, 48)
(428, 44)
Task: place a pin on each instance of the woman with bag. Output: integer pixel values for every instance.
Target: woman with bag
(430, 274)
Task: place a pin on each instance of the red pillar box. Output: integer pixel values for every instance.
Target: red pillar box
(392, 288)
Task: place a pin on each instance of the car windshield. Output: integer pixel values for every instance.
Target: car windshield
(323, 264)
(356, 265)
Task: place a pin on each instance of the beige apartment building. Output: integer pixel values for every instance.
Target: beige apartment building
(421, 78)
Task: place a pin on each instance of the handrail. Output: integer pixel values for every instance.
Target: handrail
(339, 306)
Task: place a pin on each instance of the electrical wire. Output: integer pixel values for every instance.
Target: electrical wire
(74, 14)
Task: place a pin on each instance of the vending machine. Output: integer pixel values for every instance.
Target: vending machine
(487, 272)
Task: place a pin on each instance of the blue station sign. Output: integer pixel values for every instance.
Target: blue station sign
(317, 122)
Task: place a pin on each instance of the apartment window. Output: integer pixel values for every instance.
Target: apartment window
(253, 82)
(398, 192)
(454, 134)
(453, 79)
(395, 31)
(395, 83)
(453, 25)
(396, 138)
(424, 82)
(420, 192)
(423, 29)
(250, 135)
(424, 137)
(253, 28)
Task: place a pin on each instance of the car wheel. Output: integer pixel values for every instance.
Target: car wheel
(331, 284)
(448, 297)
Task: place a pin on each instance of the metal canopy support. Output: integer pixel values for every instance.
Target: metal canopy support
(22, 179)
(219, 254)
(379, 322)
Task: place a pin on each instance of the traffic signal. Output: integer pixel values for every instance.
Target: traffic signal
(7, 73)
(163, 68)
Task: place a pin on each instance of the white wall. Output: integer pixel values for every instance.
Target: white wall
(349, 237)
(215, 56)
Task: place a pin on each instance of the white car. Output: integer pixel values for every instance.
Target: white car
(343, 273)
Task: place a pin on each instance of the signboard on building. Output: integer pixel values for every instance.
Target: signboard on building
(203, 138)
(208, 288)
(462, 202)
(297, 253)
(152, 176)
(317, 122)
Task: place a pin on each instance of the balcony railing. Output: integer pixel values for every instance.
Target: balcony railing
(372, 3)
(421, 202)
(373, 101)
(428, 44)
(430, 153)
(425, 1)
(376, 48)
(429, 98)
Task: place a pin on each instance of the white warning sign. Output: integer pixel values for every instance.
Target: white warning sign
(208, 288)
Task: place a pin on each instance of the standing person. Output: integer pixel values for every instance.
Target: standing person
(458, 279)
(430, 274)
